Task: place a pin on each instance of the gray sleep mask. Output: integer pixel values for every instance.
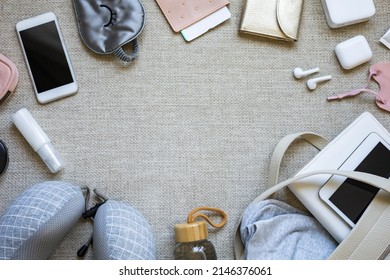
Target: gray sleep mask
(107, 25)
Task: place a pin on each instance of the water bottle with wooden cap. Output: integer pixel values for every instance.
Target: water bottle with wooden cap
(191, 237)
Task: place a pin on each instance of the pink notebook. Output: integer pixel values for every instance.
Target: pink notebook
(182, 13)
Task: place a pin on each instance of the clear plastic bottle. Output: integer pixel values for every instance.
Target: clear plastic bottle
(192, 243)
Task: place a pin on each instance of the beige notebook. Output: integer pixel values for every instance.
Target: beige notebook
(182, 13)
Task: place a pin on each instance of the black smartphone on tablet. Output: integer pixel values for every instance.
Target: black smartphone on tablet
(349, 198)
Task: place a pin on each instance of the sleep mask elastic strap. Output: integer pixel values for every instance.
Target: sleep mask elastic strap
(380, 72)
(127, 57)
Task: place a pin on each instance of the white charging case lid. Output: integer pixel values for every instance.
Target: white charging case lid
(341, 13)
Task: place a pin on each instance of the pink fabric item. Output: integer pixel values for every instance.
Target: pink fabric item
(380, 72)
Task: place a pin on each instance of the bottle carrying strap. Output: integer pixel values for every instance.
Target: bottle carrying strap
(196, 213)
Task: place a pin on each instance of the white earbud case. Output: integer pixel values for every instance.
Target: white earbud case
(341, 13)
(353, 52)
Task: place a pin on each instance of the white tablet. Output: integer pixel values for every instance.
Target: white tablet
(349, 198)
(46, 57)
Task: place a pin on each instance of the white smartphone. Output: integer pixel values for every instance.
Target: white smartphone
(349, 198)
(47, 60)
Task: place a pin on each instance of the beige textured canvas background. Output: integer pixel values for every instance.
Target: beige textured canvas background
(187, 124)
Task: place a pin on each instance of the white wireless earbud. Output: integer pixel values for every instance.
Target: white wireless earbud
(299, 73)
(312, 83)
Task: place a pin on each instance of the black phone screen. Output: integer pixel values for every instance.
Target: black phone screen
(353, 197)
(46, 56)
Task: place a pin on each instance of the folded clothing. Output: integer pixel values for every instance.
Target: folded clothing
(271, 229)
